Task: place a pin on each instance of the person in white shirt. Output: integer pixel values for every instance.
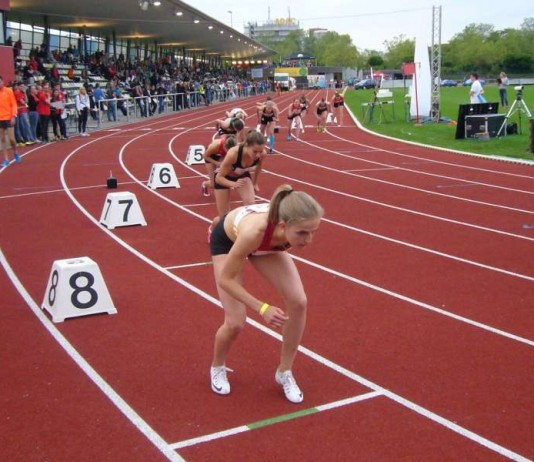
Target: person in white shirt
(83, 105)
(476, 93)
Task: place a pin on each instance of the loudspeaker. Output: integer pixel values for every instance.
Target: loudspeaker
(484, 123)
(511, 128)
(472, 109)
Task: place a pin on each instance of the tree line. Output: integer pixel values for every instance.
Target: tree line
(479, 47)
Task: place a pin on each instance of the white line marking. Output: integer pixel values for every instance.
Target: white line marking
(408, 143)
(413, 188)
(454, 427)
(245, 428)
(78, 359)
(402, 209)
(191, 265)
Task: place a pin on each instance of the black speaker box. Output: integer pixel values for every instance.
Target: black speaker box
(485, 123)
(465, 110)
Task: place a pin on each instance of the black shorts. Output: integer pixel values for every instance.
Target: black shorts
(228, 131)
(320, 111)
(292, 116)
(265, 119)
(216, 157)
(231, 178)
(5, 123)
(338, 104)
(220, 243)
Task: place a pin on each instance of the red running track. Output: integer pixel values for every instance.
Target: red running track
(420, 338)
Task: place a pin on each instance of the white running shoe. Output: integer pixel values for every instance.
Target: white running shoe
(219, 381)
(291, 389)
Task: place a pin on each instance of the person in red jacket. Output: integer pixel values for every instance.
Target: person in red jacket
(8, 117)
(44, 110)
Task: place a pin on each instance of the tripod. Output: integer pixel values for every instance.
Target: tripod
(373, 102)
(518, 107)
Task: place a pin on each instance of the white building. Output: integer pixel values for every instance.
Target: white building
(275, 30)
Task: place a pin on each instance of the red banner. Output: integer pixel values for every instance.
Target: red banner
(408, 68)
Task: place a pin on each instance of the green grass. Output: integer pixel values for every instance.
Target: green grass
(443, 134)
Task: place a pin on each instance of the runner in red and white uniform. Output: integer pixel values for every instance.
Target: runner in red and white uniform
(261, 234)
(337, 103)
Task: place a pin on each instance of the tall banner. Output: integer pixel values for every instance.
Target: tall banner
(421, 88)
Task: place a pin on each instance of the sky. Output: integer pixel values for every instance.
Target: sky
(370, 24)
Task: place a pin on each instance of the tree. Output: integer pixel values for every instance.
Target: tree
(375, 61)
(333, 49)
(399, 50)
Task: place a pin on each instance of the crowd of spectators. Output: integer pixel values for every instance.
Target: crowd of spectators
(148, 85)
(164, 73)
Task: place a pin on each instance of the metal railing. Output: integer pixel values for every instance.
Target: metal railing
(127, 109)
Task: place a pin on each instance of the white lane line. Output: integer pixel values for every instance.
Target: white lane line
(401, 209)
(411, 188)
(273, 420)
(96, 378)
(454, 427)
(191, 265)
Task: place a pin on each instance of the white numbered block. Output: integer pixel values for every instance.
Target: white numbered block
(195, 155)
(330, 119)
(296, 122)
(76, 288)
(121, 209)
(163, 176)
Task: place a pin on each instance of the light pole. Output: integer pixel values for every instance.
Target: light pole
(231, 19)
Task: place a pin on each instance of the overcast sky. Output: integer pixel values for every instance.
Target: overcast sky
(371, 23)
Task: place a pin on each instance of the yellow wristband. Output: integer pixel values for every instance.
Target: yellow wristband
(263, 308)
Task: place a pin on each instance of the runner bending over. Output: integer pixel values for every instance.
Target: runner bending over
(261, 234)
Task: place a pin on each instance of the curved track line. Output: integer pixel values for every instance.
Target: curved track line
(94, 376)
(511, 160)
(426, 191)
(397, 398)
(345, 276)
(402, 209)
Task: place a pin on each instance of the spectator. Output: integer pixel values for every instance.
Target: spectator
(33, 101)
(57, 114)
(83, 105)
(99, 96)
(44, 109)
(476, 92)
(8, 116)
(503, 89)
(23, 130)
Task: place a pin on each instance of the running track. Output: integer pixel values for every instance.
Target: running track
(420, 339)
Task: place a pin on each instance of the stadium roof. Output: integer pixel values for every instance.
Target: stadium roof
(141, 20)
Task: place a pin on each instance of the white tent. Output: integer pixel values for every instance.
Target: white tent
(421, 88)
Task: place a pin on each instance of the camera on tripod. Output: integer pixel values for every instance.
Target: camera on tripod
(519, 107)
(519, 90)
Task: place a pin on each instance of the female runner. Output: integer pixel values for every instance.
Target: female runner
(261, 234)
(234, 173)
(213, 157)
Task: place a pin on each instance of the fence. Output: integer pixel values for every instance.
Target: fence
(127, 109)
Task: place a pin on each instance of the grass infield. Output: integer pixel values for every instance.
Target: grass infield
(443, 133)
